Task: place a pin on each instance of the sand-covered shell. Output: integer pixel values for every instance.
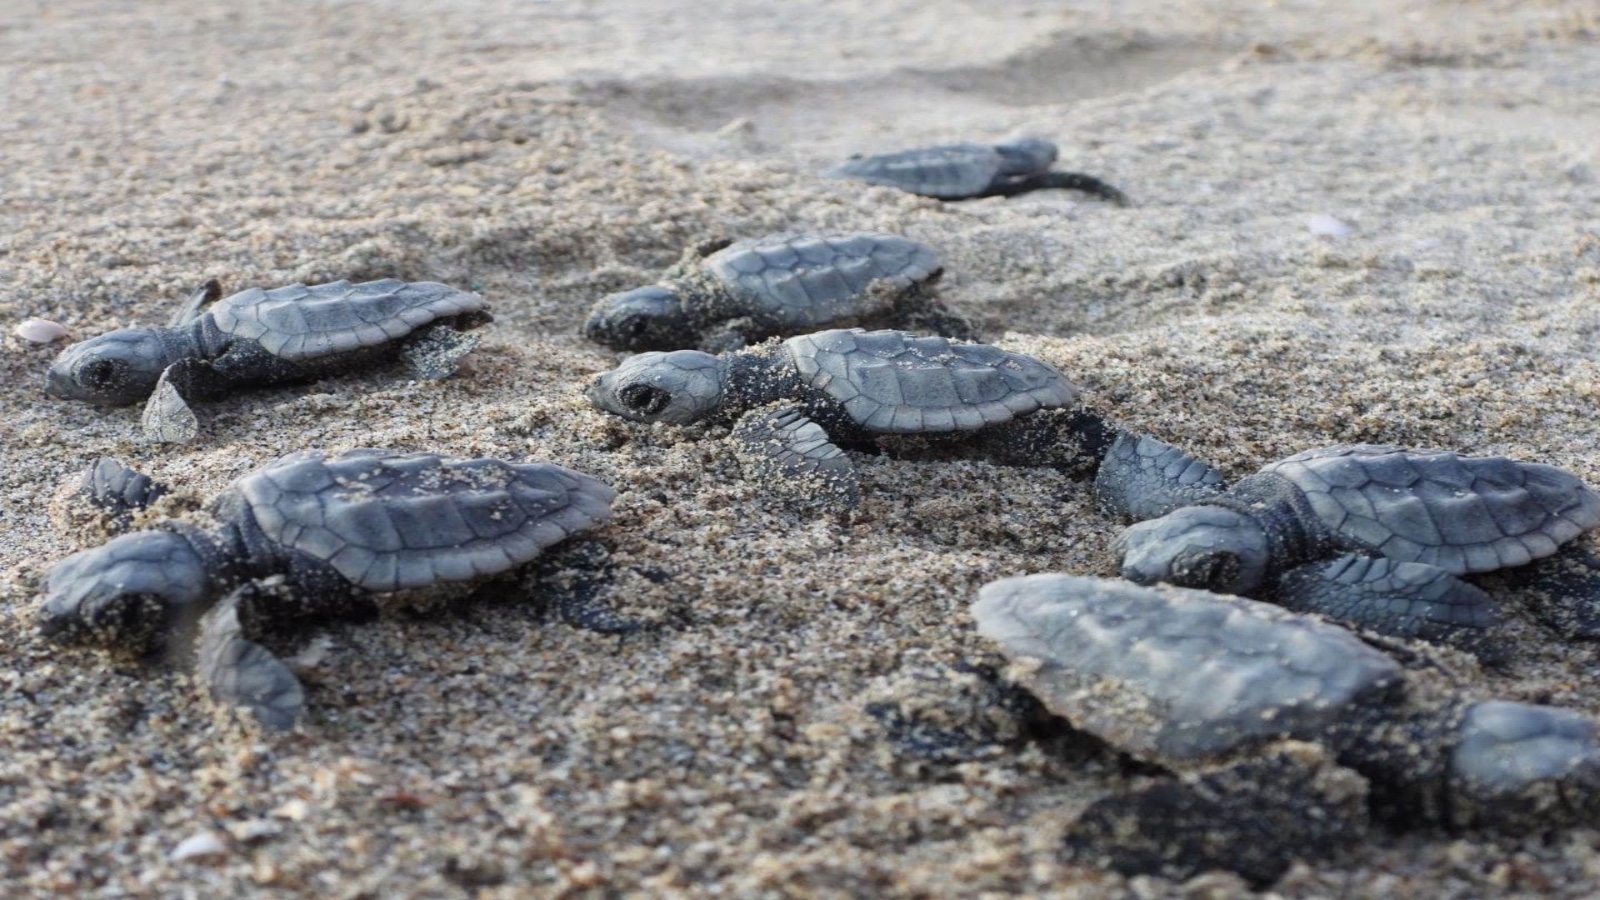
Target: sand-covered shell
(388, 521)
(299, 322)
(1179, 676)
(1460, 513)
(894, 382)
(802, 281)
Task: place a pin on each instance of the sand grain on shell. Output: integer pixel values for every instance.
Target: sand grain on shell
(546, 154)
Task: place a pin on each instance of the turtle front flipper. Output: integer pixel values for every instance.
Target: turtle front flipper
(167, 417)
(239, 672)
(437, 352)
(116, 493)
(783, 446)
(1142, 478)
(1403, 599)
(692, 256)
(208, 293)
(731, 336)
(1070, 181)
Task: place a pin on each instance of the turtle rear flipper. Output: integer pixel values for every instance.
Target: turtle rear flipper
(1142, 478)
(1254, 818)
(1566, 591)
(785, 446)
(1403, 599)
(238, 672)
(1071, 181)
(574, 580)
(437, 352)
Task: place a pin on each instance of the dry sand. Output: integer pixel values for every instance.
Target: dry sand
(548, 153)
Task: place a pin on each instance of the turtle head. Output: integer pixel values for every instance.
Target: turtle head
(113, 369)
(129, 592)
(676, 388)
(648, 318)
(1026, 156)
(1199, 547)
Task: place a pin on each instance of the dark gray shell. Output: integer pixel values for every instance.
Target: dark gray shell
(894, 382)
(802, 281)
(1178, 675)
(388, 521)
(1460, 513)
(953, 171)
(299, 322)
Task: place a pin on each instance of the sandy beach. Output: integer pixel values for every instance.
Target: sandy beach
(1371, 221)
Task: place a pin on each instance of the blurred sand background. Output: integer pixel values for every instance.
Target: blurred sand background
(549, 153)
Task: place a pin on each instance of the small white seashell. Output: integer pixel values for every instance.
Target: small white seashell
(1324, 225)
(205, 843)
(40, 331)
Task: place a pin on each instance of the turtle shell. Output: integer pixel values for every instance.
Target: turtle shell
(299, 322)
(389, 521)
(950, 172)
(801, 281)
(894, 382)
(1460, 513)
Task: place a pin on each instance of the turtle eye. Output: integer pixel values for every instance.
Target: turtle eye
(98, 374)
(644, 399)
(633, 327)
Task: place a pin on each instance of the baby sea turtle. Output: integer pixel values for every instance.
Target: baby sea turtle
(1374, 535)
(963, 171)
(309, 537)
(792, 403)
(1199, 683)
(722, 295)
(261, 337)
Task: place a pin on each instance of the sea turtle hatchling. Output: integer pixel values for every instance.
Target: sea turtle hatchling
(792, 403)
(722, 295)
(1202, 683)
(1375, 535)
(307, 537)
(261, 337)
(963, 171)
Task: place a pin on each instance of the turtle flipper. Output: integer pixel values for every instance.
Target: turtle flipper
(732, 335)
(1071, 181)
(783, 445)
(1404, 599)
(1565, 591)
(437, 352)
(117, 492)
(693, 254)
(1254, 817)
(575, 578)
(1142, 478)
(167, 417)
(919, 309)
(239, 672)
(208, 293)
